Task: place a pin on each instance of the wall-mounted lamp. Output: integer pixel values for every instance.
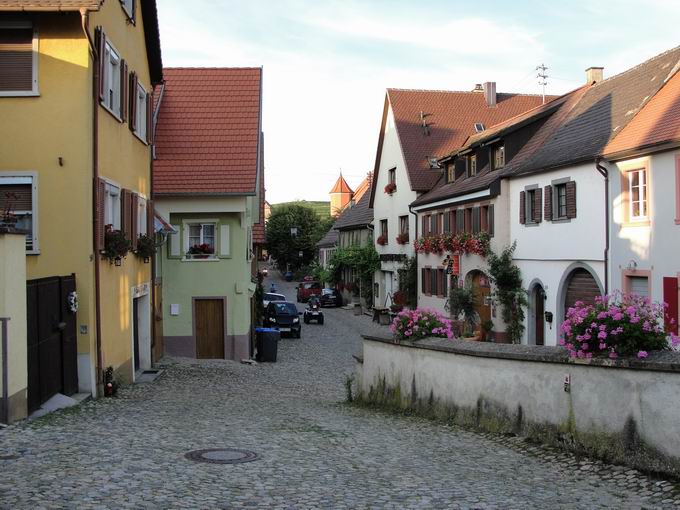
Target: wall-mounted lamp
(632, 265)
(548, 317)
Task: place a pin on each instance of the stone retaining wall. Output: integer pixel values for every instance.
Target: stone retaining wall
(625, 411)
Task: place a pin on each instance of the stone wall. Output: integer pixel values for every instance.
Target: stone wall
(624, 411)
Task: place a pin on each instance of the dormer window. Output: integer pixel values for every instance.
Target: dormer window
(472, 165)
(450, 172)
(499, 157)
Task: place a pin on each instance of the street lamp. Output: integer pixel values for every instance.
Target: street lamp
(293, 231)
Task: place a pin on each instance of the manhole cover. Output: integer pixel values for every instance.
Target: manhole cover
(222, 456)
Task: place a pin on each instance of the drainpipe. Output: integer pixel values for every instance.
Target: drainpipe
(5, 371)
(605, 173)
(415, 215)
(85, 19)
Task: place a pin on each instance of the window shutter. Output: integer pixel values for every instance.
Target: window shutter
(476, 219)
(100, 227)
(149, 118)
(460, 221)
(16, 59)
(490, 221)
(174, 246)
(133, 101)
(125, 217)
(124, 90)
(100, 37)
(150, 227)
(538, 202)
(452, 221)
(447, 222)
(522, 207)
(134, 219)
(571, 199)
(225, 245)
(22, 199)
(423, 280)
(548, 207)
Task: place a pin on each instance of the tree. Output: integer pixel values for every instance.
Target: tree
(286, 247)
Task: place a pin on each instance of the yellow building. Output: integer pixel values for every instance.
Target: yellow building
(76, 89)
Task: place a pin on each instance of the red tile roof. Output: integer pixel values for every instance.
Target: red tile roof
(258, 228)
(363, 187)
(49, 5)
(341, 186)
(450, 117)
(208, 132)
(656, 123)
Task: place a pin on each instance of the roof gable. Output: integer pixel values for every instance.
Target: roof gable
(208, 133)
(341, 186)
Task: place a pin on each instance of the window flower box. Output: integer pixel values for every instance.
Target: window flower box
(402, 238)
(382, 240)
(116, 245)
(201, 251)
(390, 188)
(146, 247)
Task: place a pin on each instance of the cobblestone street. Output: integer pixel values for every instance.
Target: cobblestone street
(314, 451)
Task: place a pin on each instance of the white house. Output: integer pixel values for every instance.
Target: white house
(643, 169)
(418, 127)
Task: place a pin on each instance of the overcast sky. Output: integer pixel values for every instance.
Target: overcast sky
(327, 63)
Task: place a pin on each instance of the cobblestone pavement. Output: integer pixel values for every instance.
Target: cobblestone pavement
(128, 452)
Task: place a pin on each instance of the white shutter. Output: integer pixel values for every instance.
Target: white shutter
(175, 242)
(225, 244)
(639, 285)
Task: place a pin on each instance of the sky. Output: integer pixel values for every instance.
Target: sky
(326, 63)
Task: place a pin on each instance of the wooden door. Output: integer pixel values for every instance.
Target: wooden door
(539, 309)
(481, 290)
(209, 324)
(582, 287)
(671, 291)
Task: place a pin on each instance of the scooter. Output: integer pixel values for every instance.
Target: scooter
(313, 311)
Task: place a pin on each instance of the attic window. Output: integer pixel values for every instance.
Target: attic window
(433, 162)
(479, 127)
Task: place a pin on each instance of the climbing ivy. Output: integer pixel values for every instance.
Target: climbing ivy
(509, 292)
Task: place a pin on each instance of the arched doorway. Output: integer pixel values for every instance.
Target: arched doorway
(481, 289)
(537, 315)
(580, 285)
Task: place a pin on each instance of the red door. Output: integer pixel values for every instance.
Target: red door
(670, 297)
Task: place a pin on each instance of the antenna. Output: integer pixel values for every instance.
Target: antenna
(543, 77)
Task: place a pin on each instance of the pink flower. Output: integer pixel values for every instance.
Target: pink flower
(613, 355)
(642, 354)
(603, 346)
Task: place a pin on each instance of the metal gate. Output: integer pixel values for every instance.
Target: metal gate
(52, 340)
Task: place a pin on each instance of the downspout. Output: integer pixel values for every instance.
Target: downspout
(85, 19)
(415, 215)
(153, 212)
(605, 173)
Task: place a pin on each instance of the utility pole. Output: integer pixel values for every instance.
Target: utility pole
(543, 77)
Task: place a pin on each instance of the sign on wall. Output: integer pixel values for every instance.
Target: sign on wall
(452, 264)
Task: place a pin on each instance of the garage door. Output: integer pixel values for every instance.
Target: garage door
(581, 287)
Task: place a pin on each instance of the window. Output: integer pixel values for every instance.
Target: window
(472, 165)
(392, 176)
(460, 221)
(140, 110)
(19, 193)
(129, 8)
(141, 217)
(383, 228)
(468, 219)
(18, 59)
(201, 238)
(638, 285)
(450, 172)
(531, 206)
(637, 193)
(112, 80)
(112, 206)
(447, 222)
(434, 230)
(561, 201)
(476, 220)
(403, 225)
(441, 283)
(499, 157)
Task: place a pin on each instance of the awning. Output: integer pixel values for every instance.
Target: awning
(161, 225)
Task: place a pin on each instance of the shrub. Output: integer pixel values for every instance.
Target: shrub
(618, 325)
(462, 302)
(420, 323)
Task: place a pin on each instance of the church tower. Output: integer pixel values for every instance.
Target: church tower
(341, 196)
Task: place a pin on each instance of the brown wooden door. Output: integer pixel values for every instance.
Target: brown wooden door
(539, 310)
(481, 290)
(209, 317)
(582, 287)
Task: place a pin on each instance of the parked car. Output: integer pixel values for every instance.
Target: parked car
(284, 316)
(330, 297)
(306, 289)
(288, 276)
(271, 296)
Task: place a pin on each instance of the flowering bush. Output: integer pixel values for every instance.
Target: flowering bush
(201, 249)
(463, 243)
(390, 188)
(382, 240)
(420, 323)
(618, 325)
(402, 238)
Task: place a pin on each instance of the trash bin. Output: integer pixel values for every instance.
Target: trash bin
(267, 341)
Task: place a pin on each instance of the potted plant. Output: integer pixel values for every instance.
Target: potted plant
(402, 238)
(201, 251)
(382, 240)
(146, 247)
(390, 188)
(487, 331)
(116, 245)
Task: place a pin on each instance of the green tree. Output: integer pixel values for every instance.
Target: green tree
(508, 279)
(285, 247)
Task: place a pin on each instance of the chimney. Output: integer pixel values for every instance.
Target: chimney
(490, 93)
(478, 88)
(594, 74)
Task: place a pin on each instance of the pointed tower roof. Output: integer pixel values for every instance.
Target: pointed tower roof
(341, 186)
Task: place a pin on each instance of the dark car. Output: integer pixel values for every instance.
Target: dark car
(330, 297)
(283, 316)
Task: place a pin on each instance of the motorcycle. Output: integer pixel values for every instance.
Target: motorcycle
(313, 311)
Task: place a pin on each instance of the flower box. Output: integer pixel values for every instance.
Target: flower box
(402, 238)
(382, 240)
(390, 188)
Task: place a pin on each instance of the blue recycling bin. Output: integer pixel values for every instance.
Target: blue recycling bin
(267, 342)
